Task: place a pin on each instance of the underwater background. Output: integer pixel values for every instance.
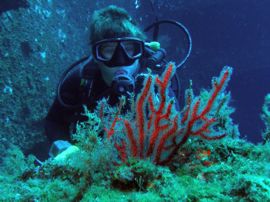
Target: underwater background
(39, 40)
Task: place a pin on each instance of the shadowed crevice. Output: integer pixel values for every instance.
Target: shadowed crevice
(6, 5)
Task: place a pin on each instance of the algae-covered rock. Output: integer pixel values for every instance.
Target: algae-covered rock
(240, 171)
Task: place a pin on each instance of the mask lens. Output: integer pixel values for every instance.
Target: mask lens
(106, 50)
(132, 48)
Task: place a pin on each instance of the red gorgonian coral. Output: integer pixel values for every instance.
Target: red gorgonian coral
(158, 130)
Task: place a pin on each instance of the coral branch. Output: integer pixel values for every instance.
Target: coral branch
(140, 113)
(132, 139)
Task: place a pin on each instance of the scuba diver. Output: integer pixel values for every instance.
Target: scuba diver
(119, 55)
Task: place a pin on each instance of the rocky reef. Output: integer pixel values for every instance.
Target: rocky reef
(36, 46)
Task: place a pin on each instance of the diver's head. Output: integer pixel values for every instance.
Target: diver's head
(117, 44)
(113, 22)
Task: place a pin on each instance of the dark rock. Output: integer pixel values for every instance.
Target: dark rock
(26, 49)
(6, 42)
(6, 5)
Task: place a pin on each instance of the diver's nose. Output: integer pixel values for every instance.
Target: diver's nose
(120, 57)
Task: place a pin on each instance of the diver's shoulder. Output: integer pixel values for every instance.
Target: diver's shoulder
(89, 68)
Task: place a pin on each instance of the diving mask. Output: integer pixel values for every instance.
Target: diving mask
(116, 52)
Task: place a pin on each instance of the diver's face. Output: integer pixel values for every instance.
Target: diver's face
(118, 56)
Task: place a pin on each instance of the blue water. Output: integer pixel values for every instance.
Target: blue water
(234, 33)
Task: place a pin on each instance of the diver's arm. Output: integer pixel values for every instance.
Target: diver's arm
(66, 104)
(56, 125)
